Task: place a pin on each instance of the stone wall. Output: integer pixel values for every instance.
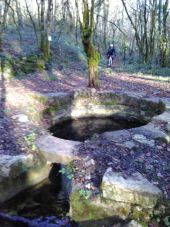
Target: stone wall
(63, 106)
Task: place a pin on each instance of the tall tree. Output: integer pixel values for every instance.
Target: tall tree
(143, 20)
(86, 20)
(33, 22)
(164, 43)
(48, 28)
(105, 21)
(45, 27)
(4, 7)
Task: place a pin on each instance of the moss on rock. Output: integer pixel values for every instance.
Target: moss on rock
(21, 66)
(97, 208)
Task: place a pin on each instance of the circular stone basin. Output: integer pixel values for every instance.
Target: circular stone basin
(82, 129)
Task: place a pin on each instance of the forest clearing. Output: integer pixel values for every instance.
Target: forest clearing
(85, 113)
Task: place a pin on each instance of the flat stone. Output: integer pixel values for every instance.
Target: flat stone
(8, 162)
(21, 118)
(89, 162)
(117, 136)
(149, 131)
(57, 150)
(19, 172)
(143, 140)
(165, 117)
(134, 223)
(135, 189)
(128, 144)
(166, 101)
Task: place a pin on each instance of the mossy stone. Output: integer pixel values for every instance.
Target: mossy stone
(111, 102)
(96, 208)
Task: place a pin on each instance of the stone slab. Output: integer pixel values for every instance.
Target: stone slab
(57, 150)
(17, 173)
(117, 136)
(136, 189)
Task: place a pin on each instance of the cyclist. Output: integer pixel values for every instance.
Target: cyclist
(110, 55)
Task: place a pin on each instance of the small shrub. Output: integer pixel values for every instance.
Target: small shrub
(68, 171)
(85, 193)
(30, 139)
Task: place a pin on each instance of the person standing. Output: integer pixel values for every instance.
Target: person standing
(111, 53)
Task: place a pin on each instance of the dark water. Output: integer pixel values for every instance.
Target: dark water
(85, 128)
(45, 205)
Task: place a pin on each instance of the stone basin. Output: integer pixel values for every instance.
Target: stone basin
(60, 107)
(135, 202)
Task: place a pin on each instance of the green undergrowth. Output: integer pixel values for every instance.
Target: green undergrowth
(150, 72)
(161, 220)
(67, 53)
(21, 66)
(30, 139)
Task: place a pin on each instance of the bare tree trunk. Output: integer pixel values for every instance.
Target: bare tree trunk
(42, 26)
(19, 14)
(3, 20)
(106, 14)
(153, 27)
(144, 27)
(38, 11)
(32, 21)
(159, 30)
(76, 28)
(48, 29)
(14, 20)
(165, 48)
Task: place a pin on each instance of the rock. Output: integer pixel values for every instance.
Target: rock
(117, 136)
(89, 186)
(21, 118)
(135, 190)
(168, 128)
(167, 103)
(129, 144)
(8, 163)
(164, 117)
(149, 131)
(57, 150)
(143, 140)
(88, 177)
(89, 162)
(134, 223)
(20, 172)
(87, 209)
(133, 198)
(149, 167)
